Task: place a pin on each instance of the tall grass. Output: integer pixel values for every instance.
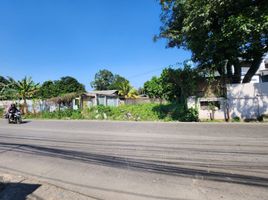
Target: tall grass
(139, 112)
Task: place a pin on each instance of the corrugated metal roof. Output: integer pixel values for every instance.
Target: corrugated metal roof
(103, 92)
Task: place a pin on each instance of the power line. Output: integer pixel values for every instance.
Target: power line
(154, 70)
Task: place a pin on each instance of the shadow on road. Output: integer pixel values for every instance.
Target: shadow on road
(137, 164)
(25, 121)
(17, 191)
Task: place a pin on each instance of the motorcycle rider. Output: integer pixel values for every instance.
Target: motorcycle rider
(12, 110)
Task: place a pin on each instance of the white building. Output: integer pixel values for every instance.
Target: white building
(262, 73)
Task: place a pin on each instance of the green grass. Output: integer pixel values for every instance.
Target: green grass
(66, 114)
(140, 112)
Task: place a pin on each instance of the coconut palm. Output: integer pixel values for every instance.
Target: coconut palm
(26, 88)
(126, 90)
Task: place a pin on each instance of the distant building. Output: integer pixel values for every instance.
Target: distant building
(94, 98)
(260, 76)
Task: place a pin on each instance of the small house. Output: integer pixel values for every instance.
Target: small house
(95, 98)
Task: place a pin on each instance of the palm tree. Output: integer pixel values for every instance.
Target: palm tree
(25, 89)
(126, 90)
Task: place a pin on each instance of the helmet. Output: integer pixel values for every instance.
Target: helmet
(13, 105)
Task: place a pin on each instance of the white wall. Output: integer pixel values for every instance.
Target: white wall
(248, 101)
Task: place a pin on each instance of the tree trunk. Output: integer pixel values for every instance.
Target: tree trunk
(253, 68)
(237, 73)
(25, 106)
(229, 72)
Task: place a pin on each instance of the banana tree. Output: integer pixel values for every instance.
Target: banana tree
(26, 88)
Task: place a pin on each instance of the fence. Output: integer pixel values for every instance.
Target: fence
(34, 106)
(141, 100)
(246, 101)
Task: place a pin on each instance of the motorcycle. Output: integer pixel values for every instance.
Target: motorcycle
(14, 117)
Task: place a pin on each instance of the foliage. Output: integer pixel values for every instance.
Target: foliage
(1, 112)
(117, 82)
(65, 85)
(133, 93)
(103, 80)
(48, 90)
(140, 112)
(191, 115)
(174, 85)
(3, 82)
(154, 88)
(179, 84)
(126, 90)
(218, 31)
(69, 84)
(124, 87)
(176, 111)
(236, 119)
(6, 91)
(63, 114)
(106, 80)
(25, 89)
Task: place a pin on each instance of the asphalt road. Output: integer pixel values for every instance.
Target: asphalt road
(130, 160)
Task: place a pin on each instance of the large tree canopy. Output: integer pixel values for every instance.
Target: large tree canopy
(154, 88)
(103, 80)
(106, 80)
(218, 31)
(60, 87)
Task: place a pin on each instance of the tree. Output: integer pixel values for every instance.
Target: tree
(126, 90)
(47, 90)
(106, 80)
(3, 82)
(26, 88)
(60, 87)
(3, 87)
(69, 84)
(218, 31)
(154, 88)
(117, 82)
(179, 84)
(103, 80)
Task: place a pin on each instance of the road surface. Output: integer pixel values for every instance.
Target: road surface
(131, 160)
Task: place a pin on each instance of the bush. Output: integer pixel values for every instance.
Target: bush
(236, 119)
(1, 112)
(191, 115)
(142, 112)
(64, 114)
(138, 112)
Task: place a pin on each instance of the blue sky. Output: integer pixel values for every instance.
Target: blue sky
(48, 39)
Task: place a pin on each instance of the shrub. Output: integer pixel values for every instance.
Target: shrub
(1, 112)
(138, 112)
(236, 119)
(64, 114)
(191, 115)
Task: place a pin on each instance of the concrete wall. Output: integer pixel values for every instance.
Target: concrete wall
(208, 112)
(34, 106)
(246, 101)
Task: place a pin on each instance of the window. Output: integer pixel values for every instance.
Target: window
(208, 105)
